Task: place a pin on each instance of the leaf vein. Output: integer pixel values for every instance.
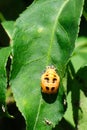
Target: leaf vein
(38, 112)
(54, 28)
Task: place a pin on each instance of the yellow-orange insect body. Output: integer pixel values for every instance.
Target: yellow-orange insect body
(50, 81)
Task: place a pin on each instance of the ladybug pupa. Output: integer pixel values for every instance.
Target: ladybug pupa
(50, 81)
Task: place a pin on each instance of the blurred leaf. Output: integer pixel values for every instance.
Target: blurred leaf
(79, 57)
(82, 78)
(78, 98)
(4, 53)
(9, 27)
(69, 113)
(83, 112)
(85, 10)
(45, 34)
(1, 17)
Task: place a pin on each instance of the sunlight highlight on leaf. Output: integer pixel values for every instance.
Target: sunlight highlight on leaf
(45, 34)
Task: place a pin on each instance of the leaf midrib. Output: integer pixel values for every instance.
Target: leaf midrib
(53, 30)
(48, 55)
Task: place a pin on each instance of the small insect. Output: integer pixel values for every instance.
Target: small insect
(50, 81)
(47, 122)
(3, 108)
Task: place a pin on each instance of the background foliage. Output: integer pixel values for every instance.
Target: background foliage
(55, 31)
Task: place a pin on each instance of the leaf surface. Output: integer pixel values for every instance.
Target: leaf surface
(78, 100)
(9, 28)
(80, 53)
(43, 36)
(4, 53)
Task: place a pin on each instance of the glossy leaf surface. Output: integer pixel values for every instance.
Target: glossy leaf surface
(44, 35)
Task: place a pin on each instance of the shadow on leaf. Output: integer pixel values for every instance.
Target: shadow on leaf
(49, 98)
(64, 125)
(77, 84)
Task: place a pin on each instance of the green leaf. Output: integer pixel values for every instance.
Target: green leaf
(85, 10)
(44, 35)
(79, 98)
(9, 27)
(4, 53)
(69, 113)
(80, 53)
(83, 112)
